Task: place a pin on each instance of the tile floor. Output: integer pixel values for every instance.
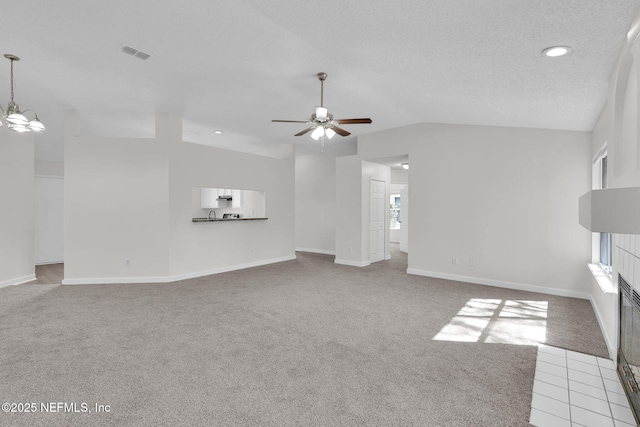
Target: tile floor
(575, 389)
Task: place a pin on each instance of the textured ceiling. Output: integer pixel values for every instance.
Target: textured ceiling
(235, 65)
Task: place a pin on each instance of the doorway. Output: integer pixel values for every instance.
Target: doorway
(49, 216)
(397, 210)
(49, 228)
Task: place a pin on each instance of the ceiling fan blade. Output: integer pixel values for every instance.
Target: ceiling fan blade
(304, 131)
(291, 121)
(340, 131)
(353, 121)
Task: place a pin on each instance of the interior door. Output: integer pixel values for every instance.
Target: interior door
(377, 217)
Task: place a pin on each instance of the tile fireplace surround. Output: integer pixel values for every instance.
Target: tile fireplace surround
(626, 274)
(626, 258)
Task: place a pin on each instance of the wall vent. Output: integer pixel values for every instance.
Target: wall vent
(135, 52)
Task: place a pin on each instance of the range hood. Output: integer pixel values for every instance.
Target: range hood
(227, 197)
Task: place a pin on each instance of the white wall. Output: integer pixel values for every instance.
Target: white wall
(116, 207)
(348, 230)
(17, 213)
(352, 195)
(131, 199)
(399, 176)
(505, 197)
(200, 248)
(49, 168)
(315, 201)
(618, 127)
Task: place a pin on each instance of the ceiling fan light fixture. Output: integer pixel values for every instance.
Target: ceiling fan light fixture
(321, 113)
(317, 133)
(322, 122)
(329, 132)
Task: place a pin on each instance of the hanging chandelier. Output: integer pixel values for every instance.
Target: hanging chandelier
(12, 117)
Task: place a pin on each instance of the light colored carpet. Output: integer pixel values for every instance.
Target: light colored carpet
(304, 342)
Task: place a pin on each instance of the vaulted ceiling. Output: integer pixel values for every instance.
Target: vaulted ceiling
(233, 65)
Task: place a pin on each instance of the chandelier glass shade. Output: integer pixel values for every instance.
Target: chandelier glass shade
(15, 119)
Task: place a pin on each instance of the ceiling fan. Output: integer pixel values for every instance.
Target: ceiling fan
(321, 122)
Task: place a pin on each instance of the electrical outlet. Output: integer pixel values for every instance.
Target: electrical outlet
(127, 262)
(350, 249)
(472, 262)
(454, 260)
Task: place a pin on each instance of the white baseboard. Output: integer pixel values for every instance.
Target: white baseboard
(611, 346)
(230, 268)
(500, 284)
(352, 263)
(316, 251)
(387, 256)
(174, 278)
(404, 248)
(18, 280)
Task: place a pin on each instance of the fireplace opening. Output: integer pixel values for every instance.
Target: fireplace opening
(629, 344)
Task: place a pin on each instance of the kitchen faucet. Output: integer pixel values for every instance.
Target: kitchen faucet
(214, 214)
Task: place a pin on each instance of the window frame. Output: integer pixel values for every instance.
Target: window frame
(602, 247)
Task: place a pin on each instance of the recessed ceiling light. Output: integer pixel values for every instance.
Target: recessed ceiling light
(404, 165)
(218, 131)
(555, 51)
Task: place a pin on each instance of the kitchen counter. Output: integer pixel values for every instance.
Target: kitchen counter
(226, 219)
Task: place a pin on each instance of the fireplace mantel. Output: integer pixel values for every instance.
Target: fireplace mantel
(612, 210)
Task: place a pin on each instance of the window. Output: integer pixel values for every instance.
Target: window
(394, 211)
(603, 248)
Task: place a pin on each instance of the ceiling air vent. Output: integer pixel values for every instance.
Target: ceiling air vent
(135, 52)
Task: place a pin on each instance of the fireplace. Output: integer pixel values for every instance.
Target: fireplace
(629, 344)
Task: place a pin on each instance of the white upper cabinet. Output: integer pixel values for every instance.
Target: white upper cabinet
(237, 198)
(209, 198)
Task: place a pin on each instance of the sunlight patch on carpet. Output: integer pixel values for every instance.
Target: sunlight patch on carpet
(517, 322)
